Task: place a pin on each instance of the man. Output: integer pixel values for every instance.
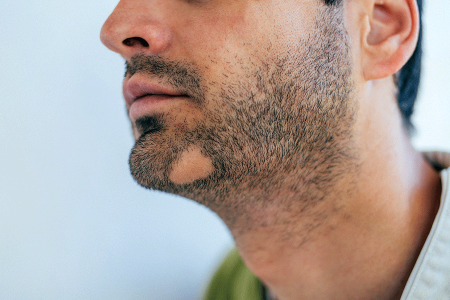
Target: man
(284, 118)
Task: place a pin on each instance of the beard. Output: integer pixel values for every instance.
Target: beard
(284, 128)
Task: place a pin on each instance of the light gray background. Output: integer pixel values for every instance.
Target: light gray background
(73, 224)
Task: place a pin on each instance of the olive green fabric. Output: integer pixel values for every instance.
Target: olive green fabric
(234, 281)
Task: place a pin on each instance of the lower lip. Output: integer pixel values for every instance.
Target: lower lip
(151, 104)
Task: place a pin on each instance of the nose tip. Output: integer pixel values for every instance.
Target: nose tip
(107, 36)
(129, 32)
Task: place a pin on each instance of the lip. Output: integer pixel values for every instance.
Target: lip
(140, 92)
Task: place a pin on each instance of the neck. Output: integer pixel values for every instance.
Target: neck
(362, 240)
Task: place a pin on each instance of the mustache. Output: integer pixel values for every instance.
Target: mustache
(183, 77)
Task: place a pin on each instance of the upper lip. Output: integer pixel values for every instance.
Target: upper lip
(139, 86)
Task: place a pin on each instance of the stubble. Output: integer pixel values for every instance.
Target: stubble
(280, 137)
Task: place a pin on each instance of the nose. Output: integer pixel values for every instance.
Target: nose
(134, 28)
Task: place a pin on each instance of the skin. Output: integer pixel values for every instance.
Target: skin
(337, 220)
(192, 165)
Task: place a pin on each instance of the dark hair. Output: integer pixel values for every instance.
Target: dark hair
(408, 78)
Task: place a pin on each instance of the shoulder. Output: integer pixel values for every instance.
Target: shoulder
(234, 281)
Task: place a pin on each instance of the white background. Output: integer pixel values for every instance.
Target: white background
(73, 224)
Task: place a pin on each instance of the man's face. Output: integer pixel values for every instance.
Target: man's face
(232, 99)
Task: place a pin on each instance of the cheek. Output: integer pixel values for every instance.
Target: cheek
(214, 39)
(192, 165)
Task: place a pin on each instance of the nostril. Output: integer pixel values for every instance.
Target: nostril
(130, 42)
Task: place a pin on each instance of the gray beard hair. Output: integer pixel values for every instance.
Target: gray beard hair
(290, 130)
